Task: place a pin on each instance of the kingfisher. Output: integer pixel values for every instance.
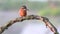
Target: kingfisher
(23, 11)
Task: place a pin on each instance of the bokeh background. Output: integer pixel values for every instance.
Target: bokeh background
(9, 10)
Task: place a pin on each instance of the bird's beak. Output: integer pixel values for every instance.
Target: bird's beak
(27, 9)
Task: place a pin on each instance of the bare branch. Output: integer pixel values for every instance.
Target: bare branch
(29, 17)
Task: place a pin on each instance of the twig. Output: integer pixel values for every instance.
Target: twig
(29, 17)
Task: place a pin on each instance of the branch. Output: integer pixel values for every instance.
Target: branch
(29, 17)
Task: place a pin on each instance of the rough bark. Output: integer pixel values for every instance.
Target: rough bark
(29, 17)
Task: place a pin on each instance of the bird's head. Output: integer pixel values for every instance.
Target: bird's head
(24, 7)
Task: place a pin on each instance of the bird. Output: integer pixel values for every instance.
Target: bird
(23, 11)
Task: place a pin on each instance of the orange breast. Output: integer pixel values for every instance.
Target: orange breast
(22, 12)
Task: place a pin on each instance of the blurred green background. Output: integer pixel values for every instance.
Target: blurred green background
(43, 7)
